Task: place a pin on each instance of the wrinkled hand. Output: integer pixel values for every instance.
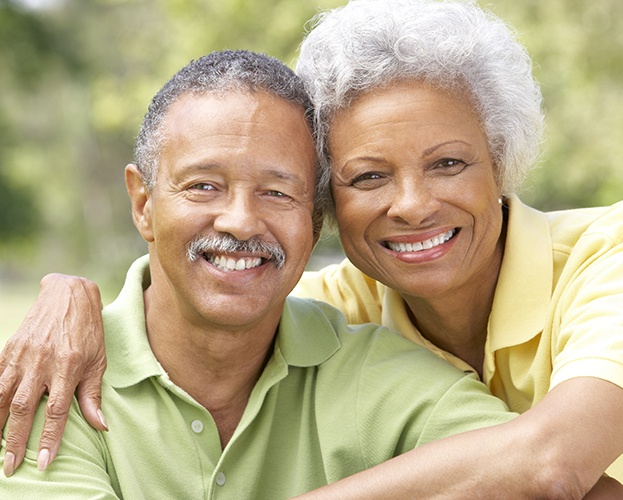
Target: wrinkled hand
(59, 348)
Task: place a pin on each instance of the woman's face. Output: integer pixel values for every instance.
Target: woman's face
(415, 191)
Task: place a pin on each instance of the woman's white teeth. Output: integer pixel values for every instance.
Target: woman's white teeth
(230, 264)
(421, 245)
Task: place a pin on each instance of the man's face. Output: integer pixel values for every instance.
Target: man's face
(239, 166)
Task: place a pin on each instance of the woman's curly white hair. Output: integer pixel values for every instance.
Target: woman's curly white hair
(452, 45)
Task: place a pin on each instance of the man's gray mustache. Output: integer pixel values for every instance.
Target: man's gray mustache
(225, 243)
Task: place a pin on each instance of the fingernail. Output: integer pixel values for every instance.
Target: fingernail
(100, 415)
(43, 459)
(9, 464)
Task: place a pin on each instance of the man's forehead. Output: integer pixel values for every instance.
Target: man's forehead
(218, 110)
(214, 130)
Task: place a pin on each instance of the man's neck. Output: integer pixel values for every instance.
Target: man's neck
(217, 366)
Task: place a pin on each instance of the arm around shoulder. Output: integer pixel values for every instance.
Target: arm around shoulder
(559, 449)
(58, 347)
(81, 470)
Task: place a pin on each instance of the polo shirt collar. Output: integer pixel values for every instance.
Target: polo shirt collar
(305, 336)
(130, 358)
(525, 282)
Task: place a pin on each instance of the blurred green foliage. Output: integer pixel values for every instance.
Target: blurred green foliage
(75, 80)
(577, 48)
(76, 77)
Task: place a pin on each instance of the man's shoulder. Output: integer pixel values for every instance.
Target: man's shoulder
(346, 287)
(394, 394)
(77, 432)
(363, 348)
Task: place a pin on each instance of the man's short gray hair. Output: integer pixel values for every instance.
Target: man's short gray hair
(220, 73)
(452, 45)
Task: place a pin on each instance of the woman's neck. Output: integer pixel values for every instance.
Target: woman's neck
(460, 329)
(457, 321)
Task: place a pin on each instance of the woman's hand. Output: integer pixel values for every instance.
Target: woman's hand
(59, 348)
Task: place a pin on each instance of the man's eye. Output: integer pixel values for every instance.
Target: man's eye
(277, 194)
(203, 186)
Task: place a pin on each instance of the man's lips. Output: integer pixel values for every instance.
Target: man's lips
(227, 253)
(418, 246)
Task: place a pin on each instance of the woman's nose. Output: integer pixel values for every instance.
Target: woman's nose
(412, 201)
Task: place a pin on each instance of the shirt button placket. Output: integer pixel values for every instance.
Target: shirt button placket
(196, 426)
(220, 478)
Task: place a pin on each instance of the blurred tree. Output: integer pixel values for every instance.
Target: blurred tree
(18, 215)
(577, 47)
(77, 76)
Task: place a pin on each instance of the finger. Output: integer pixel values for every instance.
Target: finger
(56, 413)
(23, 408)
(9, 381)
(8, 385)
(4, 359)
(89, 394)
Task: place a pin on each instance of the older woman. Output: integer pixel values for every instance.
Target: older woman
(429, 119)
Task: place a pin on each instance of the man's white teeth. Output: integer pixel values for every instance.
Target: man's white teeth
(229, 264)
(422, 245)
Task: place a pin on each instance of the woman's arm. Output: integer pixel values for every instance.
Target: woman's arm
(59, 348)
(83, 472)
(558, 449)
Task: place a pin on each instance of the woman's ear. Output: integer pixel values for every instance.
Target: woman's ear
(140, 197)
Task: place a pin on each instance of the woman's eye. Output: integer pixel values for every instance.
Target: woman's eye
(368, 179)
(451, 165)
(274, 194)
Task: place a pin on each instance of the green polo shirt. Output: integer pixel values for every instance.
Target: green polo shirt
(333, 400)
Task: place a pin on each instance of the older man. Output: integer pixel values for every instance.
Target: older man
(218, 384)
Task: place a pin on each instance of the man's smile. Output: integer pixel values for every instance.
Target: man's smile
(228, 263)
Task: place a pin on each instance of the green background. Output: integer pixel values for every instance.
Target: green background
(76, 77)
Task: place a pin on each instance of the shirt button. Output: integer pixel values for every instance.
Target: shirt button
(220, 478)
(196, 426)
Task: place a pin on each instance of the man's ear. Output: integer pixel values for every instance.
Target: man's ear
(140, 197)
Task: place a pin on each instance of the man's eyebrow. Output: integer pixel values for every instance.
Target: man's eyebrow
(282, 175)
(198, 165)
(265, 173)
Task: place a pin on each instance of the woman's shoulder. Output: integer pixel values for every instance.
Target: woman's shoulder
(571, 227)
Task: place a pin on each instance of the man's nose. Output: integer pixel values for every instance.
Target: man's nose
(240, 216)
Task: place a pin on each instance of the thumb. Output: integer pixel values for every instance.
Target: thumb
(89, 395)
